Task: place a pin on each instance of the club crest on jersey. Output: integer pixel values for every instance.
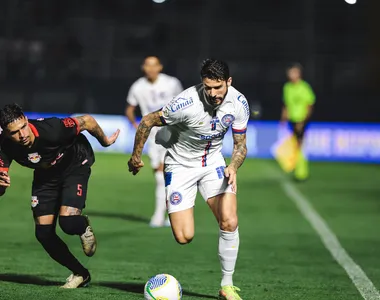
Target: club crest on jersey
(34, 157)
(227, 120)
(175, 198)
(34, 201)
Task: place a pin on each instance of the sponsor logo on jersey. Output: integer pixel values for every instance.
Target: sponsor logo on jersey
(180, 103)
(244, 102)
(213, 136)
(227, 120)
(34, 201)
(175, 198)
(34, 157)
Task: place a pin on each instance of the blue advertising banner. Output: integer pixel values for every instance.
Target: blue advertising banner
(323, 141)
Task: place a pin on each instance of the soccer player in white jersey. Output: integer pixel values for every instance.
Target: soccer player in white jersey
(151, 93)
(196, 122)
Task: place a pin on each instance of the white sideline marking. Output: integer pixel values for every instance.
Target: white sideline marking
(329, 239)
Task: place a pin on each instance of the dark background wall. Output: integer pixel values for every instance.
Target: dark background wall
(70, 56)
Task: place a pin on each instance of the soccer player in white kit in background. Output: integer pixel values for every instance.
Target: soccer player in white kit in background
(151, 93)
(196, 122)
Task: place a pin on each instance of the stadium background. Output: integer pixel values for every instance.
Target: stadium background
(81, 57)
(68, 57)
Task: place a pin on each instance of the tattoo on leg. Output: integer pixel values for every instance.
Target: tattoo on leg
(73, 211)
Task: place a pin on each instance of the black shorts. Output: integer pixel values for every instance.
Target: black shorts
(51, 190)
(299, 134)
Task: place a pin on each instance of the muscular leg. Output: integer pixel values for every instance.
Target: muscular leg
(224, 207)
(158, 217)
(54, 246)
(182, 223)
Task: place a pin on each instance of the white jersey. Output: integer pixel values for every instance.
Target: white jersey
(195, 133)
(151, 97)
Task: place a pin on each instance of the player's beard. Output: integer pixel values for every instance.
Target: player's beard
(215, 101)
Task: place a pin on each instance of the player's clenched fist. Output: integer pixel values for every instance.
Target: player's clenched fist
(5, 180)
(134, 165)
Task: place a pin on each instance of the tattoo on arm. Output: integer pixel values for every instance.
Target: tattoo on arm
(88, 123)
(240, 150)
(147, 123)
(81, 122)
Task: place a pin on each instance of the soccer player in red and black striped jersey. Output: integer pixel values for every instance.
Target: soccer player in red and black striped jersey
(61, 158)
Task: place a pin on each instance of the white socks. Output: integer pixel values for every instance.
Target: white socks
(160, 209)
(228, 252)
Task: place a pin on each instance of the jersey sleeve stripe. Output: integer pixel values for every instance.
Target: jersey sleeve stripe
(162, 120)
(4, 169)
(34, 130)
(77, 124)
(239, 131)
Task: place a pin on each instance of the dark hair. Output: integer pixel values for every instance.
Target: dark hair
(215, 69)
(10, 113)
(295, 65)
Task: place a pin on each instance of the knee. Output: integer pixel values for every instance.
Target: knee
(229, 223)
(183, 238)
(67, 225)
(44, 233)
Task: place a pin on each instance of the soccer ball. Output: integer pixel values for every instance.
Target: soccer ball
(163, 287)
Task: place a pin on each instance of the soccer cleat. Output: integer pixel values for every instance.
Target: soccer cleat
(229, 292)
(76, 281)
(88, 240)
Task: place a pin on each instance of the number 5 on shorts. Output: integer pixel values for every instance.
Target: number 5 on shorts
(79, 190)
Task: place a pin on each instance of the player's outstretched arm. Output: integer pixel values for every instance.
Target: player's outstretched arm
(147, 123)
(88, 123)
(238, 156)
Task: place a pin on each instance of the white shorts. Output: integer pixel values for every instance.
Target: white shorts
(181, 184)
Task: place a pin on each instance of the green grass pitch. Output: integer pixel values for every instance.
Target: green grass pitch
(281, 257)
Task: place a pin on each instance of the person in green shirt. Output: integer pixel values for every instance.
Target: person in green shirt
(299, 99)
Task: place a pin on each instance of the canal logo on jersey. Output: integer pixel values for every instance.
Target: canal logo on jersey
(179, 104)
(245, 104)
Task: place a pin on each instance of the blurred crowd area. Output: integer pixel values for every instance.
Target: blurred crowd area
(82, 56)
